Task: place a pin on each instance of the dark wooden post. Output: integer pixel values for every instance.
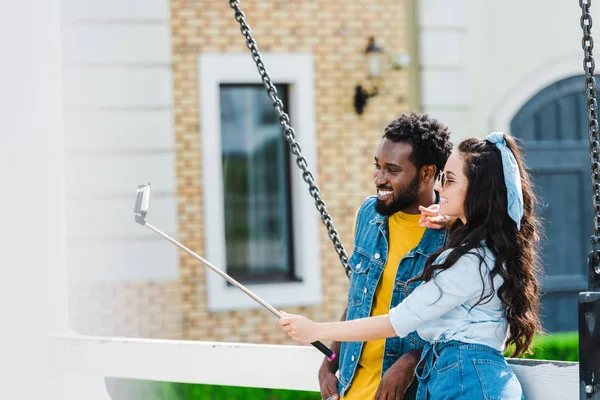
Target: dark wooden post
(589, 333)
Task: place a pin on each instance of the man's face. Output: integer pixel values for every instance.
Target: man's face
(396, 177)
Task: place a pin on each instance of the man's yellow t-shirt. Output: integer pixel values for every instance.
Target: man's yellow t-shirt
(404, 235)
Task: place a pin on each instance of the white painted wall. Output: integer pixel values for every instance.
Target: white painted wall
(482, 60)
(31, 204)
(446, 86)
(33, 288)
(118, 133)
(511, 43)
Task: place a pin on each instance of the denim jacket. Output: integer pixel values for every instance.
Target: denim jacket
(367, 264)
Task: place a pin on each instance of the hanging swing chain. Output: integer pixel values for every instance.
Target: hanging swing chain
(289, 134)
(594, 135)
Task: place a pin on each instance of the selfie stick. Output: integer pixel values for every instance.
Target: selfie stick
(140, 209)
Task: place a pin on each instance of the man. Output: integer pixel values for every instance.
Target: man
(390, 247)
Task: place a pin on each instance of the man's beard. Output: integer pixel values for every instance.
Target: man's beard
(405, 199)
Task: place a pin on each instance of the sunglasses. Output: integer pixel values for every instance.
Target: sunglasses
(443, 179)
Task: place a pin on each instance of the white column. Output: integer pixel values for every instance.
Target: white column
(32, 257)
(446, 92)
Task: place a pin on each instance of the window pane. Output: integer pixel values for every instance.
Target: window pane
(256, 185)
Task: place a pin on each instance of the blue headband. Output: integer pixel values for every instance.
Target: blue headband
(512, 177)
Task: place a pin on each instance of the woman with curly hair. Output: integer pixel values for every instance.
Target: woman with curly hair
(479, 293)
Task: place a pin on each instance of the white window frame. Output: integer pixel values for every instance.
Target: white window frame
(296, 71)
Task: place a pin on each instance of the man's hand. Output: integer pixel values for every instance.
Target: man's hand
(328, 382)
(431, 217)
(398, 377)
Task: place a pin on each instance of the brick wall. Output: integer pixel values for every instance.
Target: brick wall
(128, 309)
(336, 34)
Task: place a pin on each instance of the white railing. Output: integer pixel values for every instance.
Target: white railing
(85, 361)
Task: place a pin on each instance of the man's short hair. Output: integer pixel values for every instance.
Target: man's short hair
(429, 139)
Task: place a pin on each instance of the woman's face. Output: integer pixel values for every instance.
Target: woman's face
(453, 188)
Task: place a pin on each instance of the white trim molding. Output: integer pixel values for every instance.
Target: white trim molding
(541, 76)
(296, 71)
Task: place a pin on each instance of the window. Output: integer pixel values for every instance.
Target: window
(256, 186)
(260, 224)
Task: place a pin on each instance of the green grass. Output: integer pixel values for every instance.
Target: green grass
(558, 347)
(126, 389)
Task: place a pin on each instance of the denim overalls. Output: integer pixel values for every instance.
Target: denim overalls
(367, 264)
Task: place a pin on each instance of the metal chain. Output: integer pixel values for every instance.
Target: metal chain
(589, 65)
(289, 134)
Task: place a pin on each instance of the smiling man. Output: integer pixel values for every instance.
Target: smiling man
(390, 247)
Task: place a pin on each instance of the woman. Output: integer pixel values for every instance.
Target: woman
(479, 293)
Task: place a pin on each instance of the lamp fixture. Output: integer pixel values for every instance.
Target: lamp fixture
(373, 57)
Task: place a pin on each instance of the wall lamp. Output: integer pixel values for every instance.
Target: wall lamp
(361, 95)
(374, 58)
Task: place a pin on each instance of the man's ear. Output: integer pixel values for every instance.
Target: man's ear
(428, 173)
